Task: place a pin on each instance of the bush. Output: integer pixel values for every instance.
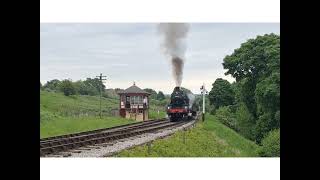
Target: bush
(52, 85)
(265, 124)
(270, 144)
(67, 87)
(226, 117)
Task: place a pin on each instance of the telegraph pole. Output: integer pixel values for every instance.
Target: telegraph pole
(203, 92)
(101, 80)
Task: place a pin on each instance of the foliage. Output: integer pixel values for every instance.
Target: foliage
(256, 68)
(198, 104)
(255, 59)
(110, 93)
(270, 144)
(52, 85)
(90, 87)
(226, 116)
(245, 121)
(207, 139)
(85, 88)
(67, 87)
(264, 124)
(221, 93)
(152, 92)
(160, 96)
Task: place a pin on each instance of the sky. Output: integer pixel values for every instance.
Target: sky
(131, 52)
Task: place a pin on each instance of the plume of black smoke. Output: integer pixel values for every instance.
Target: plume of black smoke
(174, 46)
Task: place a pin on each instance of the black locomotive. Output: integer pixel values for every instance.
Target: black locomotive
(179, 107)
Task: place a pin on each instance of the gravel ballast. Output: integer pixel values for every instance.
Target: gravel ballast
(110, 148)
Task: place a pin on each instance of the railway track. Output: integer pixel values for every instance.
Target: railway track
(72, 141)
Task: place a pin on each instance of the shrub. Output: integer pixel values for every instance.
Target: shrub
(265, 123)
(67, 87)
(52, 85)
(226, 116)
(270, 144)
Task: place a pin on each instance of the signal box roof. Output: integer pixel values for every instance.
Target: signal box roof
(133, 90)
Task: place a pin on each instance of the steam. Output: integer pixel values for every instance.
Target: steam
(191, 99)
(174, 46)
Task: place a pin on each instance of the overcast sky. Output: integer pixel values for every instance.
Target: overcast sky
(131, 52)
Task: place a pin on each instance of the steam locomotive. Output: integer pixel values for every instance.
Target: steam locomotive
(179, 107)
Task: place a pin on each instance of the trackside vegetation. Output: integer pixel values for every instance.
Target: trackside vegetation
(208, 139)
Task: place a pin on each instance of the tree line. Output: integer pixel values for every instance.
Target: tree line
(154, 95)
(67, 87)
(251, 104)
(87, 87)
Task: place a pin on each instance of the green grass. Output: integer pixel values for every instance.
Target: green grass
(60, 114)
(66, 125)
(207, 139)
(155, 115)
(75, 105)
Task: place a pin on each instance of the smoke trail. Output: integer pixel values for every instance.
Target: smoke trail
(177, 69)
(191, 99)
(174, 46)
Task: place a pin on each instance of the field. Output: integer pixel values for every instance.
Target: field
(207, 139)
(61, 114)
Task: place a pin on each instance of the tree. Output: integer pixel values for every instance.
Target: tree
(52, 85)
(152, 92)
(90, 87)
(221, 93)
(160, 96)
(40, 85)
(255, 58)
(256, 68)
(245, 122)
(67, 87)
(96, 83)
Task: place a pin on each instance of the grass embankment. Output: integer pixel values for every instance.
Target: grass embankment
(61, 114)
(207, 139)
(66, 125)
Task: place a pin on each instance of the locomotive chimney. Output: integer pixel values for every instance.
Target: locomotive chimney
(177, 88)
